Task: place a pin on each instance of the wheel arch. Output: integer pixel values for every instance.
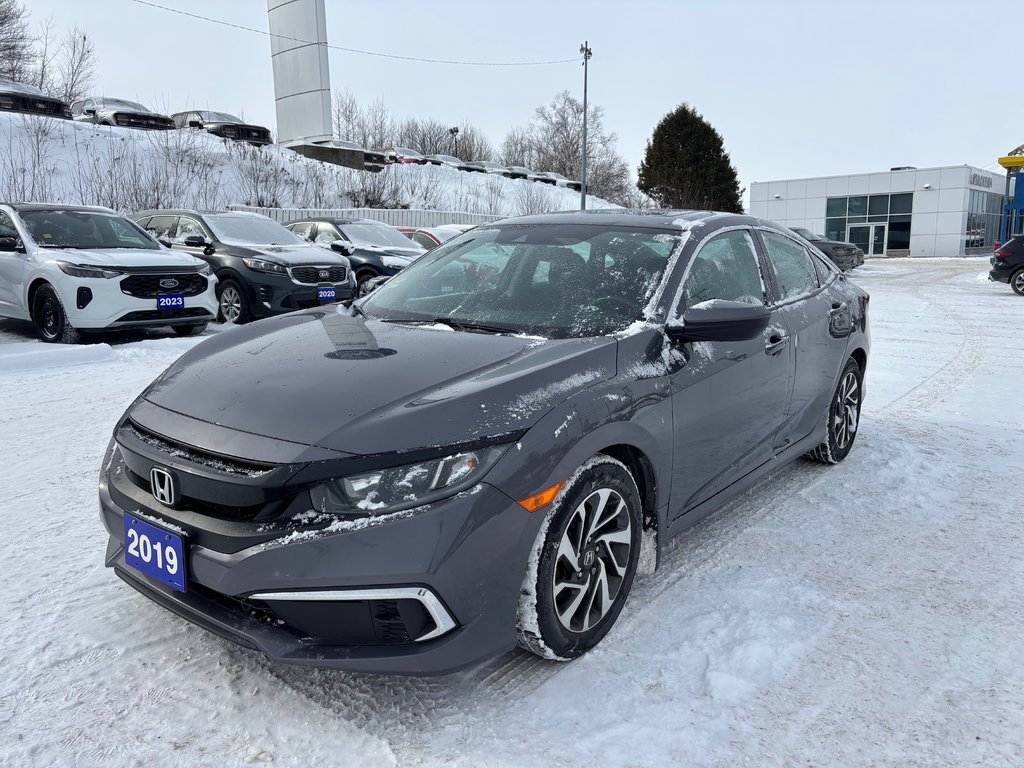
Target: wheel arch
(860, 355)
(33, 289)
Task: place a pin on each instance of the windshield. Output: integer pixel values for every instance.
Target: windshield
(250, 230)
(219, 117)
(807, 234)
(379, 235)
(120, 104)
(553, 280)
(85, 229)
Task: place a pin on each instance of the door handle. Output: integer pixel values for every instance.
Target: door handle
(776, 343)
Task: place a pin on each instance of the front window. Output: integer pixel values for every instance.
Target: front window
(121, 104)
(553, 280)
(218, 117)
(380, 235)
(243, 229)
(85, 229)
(725, 269)
(794, 270)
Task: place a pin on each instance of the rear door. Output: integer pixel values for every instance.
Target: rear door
(729, 398)
(818, 320)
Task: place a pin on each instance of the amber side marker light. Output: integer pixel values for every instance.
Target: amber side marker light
(542, 499)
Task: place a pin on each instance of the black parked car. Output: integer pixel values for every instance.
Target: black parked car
(262, 268)
(127, 114)
(374, 248)
(1008, 264)
(224, 125)
(846, 256)
(19, 97)
(420, 485)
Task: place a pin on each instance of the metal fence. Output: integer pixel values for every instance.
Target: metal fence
(400, 217)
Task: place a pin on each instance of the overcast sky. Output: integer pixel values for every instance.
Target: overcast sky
(795, 88)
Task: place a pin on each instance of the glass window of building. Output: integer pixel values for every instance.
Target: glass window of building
(859, 205)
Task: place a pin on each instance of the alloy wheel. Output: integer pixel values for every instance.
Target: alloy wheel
(847, 410)
(592, 560)
(230, 304)
(1018, 282)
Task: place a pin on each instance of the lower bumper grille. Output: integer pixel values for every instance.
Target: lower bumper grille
(147, 315)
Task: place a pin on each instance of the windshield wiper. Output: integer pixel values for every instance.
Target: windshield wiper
(462, 325)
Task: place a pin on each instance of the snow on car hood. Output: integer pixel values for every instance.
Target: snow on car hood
(123, 257)
(361, 386)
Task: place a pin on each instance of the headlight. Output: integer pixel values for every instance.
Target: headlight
(85, 270)
(205, 270)
(412, 485)
(265, 266)
(396, 262)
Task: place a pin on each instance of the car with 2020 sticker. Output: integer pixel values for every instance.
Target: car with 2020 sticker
(467, 458)
(70, 269)
(263, 269)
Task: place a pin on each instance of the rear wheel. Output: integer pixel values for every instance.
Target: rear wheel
(583, 562)
(233, 307)
(50, 319)
(843, 416)
(1017, 282)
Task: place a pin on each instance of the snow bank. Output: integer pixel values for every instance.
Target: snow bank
(34, 356)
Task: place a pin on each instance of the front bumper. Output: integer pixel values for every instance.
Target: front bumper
(426, 593)
(271, 294)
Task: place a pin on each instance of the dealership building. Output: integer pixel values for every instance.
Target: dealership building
(949, 211)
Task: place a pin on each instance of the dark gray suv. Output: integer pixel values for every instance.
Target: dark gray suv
(467, 458)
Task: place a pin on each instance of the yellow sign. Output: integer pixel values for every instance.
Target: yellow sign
(1012, 161)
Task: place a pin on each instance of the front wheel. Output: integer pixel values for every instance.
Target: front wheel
(583, 562)
(1017, 282)
(233, 307)
(50, 319)
(843, 416)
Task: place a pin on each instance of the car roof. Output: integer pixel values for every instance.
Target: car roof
(193, 212)
(333, 220)
(27, 207)
(647, 219)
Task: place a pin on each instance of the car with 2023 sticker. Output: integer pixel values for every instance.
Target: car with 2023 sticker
(263, 269)
(468, 457)
(70, 269)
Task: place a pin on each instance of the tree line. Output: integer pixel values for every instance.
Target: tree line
(60, 66)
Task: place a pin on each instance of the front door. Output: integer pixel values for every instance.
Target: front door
(870, 238)
(12, 272)
(729, 399)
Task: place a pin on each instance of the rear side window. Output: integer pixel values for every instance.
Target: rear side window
(303, 230)
(794, 271)
(161, 226)
(7, 226)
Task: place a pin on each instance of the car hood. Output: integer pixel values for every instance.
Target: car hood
(832, 244)
(123, 257)
(324, 379)
(290, 255)
(412, 252)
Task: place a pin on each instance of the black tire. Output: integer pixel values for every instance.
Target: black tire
(363, 275)
(1017, 282)
(843, 416)
(189, 330)
(232, 304)
(50, 319)
(553, 620)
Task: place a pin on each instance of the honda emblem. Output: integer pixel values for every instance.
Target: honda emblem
(162, 483)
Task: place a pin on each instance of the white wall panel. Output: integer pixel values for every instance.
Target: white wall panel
(758, 191)
(954, 177)
(878, 183)
(948, 245)
(817, 188)
(923, 224)
(952, 199)
(922, 245)
(837, 186)
(859, 184)
(925, 201)
(796, 189)
(902, 181)
(950, 223)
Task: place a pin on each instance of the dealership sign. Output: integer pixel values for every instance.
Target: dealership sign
(977, 180)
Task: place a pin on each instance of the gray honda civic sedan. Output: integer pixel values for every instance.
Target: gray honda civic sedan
(468, 457)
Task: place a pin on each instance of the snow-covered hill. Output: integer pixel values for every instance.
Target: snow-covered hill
(43, 159)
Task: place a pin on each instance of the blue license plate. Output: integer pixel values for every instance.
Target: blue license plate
(155, 552)
(326, 293)
(170, 301)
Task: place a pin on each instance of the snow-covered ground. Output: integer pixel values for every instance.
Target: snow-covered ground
(864, 614)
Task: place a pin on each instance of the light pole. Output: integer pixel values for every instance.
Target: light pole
(454, 131)
(586, 53)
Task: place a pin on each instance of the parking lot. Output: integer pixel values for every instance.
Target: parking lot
(863, 614)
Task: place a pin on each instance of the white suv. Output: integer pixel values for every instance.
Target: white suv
(76, 268)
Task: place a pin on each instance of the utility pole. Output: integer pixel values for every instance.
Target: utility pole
(454, 131)
(586, 52)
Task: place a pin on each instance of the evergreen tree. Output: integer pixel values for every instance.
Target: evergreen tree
(685, 165)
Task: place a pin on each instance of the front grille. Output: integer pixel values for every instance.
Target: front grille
(192, 504)
(315, 275)
(148, 286)
(39, 105)
(163, 314)
(143, 121)
(181, 451)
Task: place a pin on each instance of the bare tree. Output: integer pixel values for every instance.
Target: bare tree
(16, 54)
(47, 50)
(553, 141)
(473, 145)
(76, 65)
(346, 116)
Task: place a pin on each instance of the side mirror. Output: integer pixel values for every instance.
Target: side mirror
(371, 285)
(89, 110)
(196, 241)
(165, 242)
(194, 124)
(719, 320)
(343, 247)
(11, 245)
